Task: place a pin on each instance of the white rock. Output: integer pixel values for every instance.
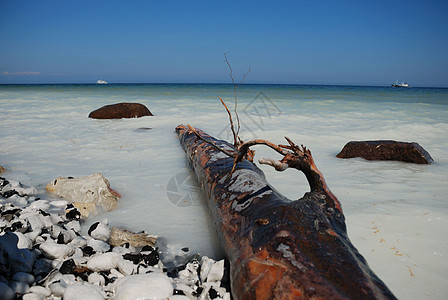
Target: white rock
(100, 230)
(115, 273)
(40, 204)
(144, 286)
(85, 291)
(23, 277)
(55, 218)
(78, 241)
(37, 224)
(54, 251)
(96, 279)
(56, 231)
(74, 225)
(123, 250)
(184, 288)
(206, 265)
(59, 203)
(24, 242)
(37, 289)
(97, 245)
(6, 292)
(33, 296)
(216, 272)
(57, 288)
(34, 236)
(103, 261)
(189, 274)
(126, 267)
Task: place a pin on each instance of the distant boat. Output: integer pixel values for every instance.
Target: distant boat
(403, 84)
(101, 81)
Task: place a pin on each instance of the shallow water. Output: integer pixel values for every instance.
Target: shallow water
(396, 213)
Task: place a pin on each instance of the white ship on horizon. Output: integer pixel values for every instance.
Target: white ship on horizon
(101, 81)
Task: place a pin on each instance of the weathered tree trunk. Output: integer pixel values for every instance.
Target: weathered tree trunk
(278, 248)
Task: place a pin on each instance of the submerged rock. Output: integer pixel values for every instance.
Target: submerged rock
(120, 237)
(386, 150)
(86, 193)
(121, 110)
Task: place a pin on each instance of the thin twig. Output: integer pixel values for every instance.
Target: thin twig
(211, 142)
(235, 142)
(235, 86)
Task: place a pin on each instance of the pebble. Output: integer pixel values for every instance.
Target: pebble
(49, 258)
(103, 261)
(144, 286)
(53, 250)
(32, 296)
(40, 290)
(84, 291)
(100, 230)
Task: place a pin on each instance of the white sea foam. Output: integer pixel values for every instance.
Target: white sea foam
(396, 213)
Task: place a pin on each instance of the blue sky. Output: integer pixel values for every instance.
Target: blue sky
(298, 42)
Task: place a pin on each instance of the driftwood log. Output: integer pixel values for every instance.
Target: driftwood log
(278, 248)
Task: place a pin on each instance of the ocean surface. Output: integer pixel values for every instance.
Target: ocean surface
(396, 213)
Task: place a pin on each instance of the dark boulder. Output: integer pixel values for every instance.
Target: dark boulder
(120, 110)
(386, 150)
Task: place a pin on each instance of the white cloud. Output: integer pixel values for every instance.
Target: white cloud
(21, 73)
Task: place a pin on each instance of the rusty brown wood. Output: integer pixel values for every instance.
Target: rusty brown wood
(278, 248)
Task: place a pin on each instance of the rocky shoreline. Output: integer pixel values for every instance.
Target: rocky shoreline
(43, 255)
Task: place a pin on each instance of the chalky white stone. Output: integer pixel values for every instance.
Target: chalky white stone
(78, 241)
(103, 261)
(53, 250)
(101, 231)
(126, 267)
(57, 288)
(216, 272)
(84, 291)
(59, 203)
(96, 279)
(33, 296)
(97, 245)
(73, 225)
(144, 286)
(40, 204)
(24, 242)
(37, 289)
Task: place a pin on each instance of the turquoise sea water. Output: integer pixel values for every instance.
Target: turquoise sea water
(396, 213)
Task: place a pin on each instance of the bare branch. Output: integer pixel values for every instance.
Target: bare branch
(235, 136)
(235, 86)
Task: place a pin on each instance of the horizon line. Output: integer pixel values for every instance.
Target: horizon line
(217, 83)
